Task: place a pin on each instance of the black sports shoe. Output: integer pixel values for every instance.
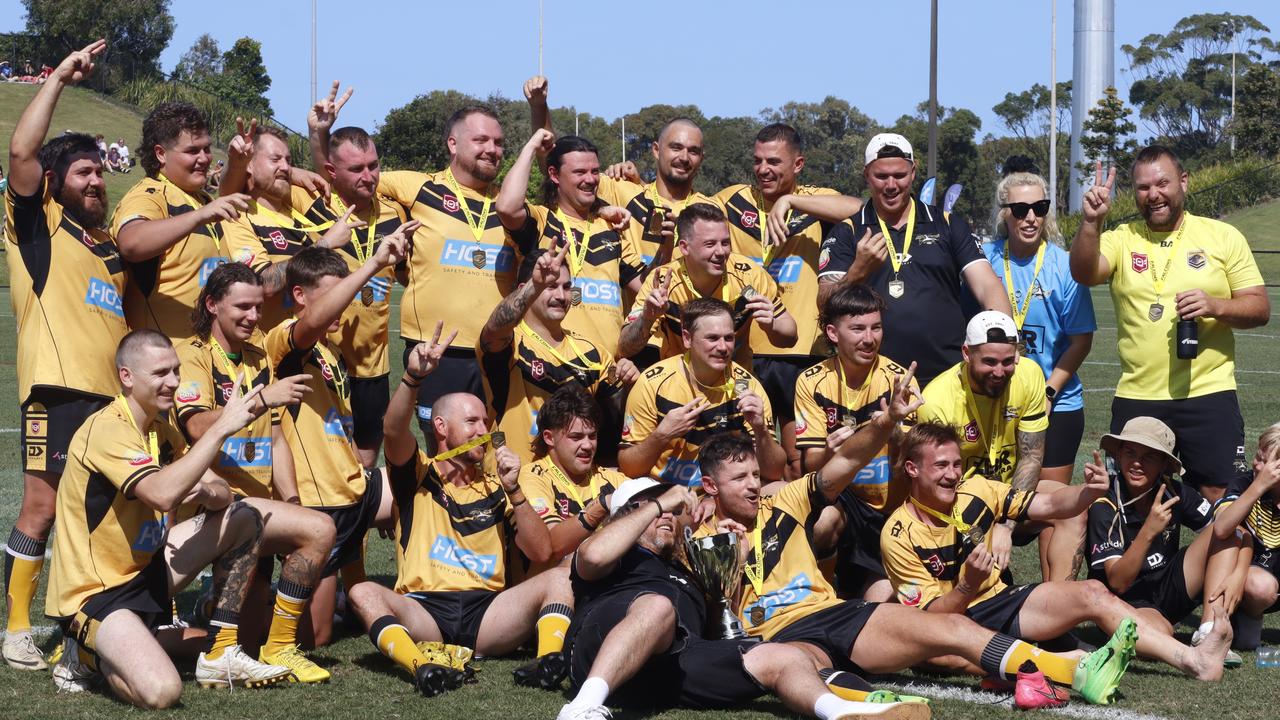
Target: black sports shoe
(546, 672)
(434, 680)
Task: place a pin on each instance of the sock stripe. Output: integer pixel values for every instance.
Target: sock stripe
(25, 547)
(293, 591)
(224, 618)
(560, 609)
(827, 673)
(995, 652)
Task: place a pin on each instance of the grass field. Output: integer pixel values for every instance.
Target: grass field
(366, 684)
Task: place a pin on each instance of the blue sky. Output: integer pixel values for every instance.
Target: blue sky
(611, 58)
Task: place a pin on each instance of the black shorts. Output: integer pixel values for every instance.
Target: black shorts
(693, 672)
(50, 416)
(834, 630)
(458, 613)
(351, 524)
(778, 375)
(1000, 613)
(369, 400)
(459, 371)
(1208, 434)
(858, 558)
(1164, 590)
(1062, 440)
(146, 595)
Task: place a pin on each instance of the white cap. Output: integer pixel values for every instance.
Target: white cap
(990, 326)
(628, 491)
(888, 145)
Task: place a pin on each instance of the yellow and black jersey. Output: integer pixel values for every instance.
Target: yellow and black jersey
(989, 439)
(67, 284)
(790, 585)
(824, 402)
(363, 335)
(262, 237)
(1262, 522)
(740, 273)
(793, 265)
(640, 201)
(555, 497)
(449, 538)
(208, 380)
(667, 385)
(162, 291)
(318, 429)
(923, 561)
(519, 378)
(454, 275)
(105, 535)
(598, 262)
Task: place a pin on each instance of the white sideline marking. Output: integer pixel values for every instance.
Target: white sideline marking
(10, 430)
(1077, 708)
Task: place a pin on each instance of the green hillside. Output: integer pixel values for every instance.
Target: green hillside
(1261, 225)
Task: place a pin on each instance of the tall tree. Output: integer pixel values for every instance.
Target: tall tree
(958, 158)
(202, 60)
(1026, 115)
(835, 134)
(1182, 85)
(1108, 136)
(136, 33)
(244, 76)
(1257, 122)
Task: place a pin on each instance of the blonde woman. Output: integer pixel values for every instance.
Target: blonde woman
(1055, 323)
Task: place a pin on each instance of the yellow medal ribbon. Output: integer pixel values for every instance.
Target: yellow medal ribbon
(722, 290)
(571, 488)
(896, 258)
(971, 403)
(577, 250)
(296, 220)
(153, 443)
(840, 388)
(227, 364)
(1158, 280)
(951, 520)
(586, 366)
(455, 452)
(477, 225)
(755, 570)
(763, 222)
(363, 251)
(1020, 313)
(727, 388)
(196, 205)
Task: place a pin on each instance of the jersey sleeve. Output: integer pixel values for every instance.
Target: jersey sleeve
(312, 207)
(1035, 417)
(630, 263)
(642, 410)
(1242, 268)
(404, 480)
(800, 498)
(910, 579)
(243, 244)
(1104, 539)
(939, 404)
(838, 250)
(811, 419)
(530, 234)
(965, 247)
(1111, 247)
(536, 485)
(1196, 511)
(141, 204)
(195, 394)
(1009, 504)
(617, 192)
(401, 185)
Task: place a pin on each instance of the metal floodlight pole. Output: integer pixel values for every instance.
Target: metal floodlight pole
(1053, 103)
(1234, 45)
(933, 89)
(313, 53)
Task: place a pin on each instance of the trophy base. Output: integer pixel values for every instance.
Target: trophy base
(728, 626)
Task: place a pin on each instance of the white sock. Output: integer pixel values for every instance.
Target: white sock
(593, 692)
(829, 706)
(1206, 627)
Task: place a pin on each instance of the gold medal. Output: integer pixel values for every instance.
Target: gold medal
(497, 439)
(757, 615)
(741, 387)
(656, 217)
(749, 292)
(897, 288)
(250, 451)
(1156, 312)
(611, 375)
(366, 295)
(976, 535)
(479, 259)
(575, 296)
(849, 421)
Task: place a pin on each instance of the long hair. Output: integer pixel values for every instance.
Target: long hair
(1049, 231)
(216, 288)
(555, 159)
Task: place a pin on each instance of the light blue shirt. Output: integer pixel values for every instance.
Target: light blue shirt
(1060, 307)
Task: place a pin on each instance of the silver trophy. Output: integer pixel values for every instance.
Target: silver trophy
(717, 566)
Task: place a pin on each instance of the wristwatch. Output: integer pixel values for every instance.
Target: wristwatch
(1050, 393)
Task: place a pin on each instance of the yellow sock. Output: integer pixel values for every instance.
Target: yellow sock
(1012, 653)
(226, 636)
(284, 624)
(845, 685)
(553, 624)
(393, 641)
(21, 578)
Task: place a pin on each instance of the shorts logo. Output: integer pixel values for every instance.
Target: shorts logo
(35, 429)
(1155, 560)
(188, 393)
(537, 369)
(1196, 259)
(449, 552)
(971, 432)
(141, 459)
(909, 594)
(450, 203)
(749, 219)
(1139, 262)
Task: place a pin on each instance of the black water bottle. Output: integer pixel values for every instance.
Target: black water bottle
(1188, 339)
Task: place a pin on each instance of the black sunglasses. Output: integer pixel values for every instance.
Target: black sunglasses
(1020, 209)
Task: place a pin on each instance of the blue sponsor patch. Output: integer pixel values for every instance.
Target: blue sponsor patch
(104, 295)
(875, 473)
(682, 472)
(424, 412)
(246, 452)
(451, 553)
(380, 287)
(797, 590)
(335, 424)
(533, 424)
(457, 253)
(599, 292)
(150, 537)
(207, 267)
(784, 270)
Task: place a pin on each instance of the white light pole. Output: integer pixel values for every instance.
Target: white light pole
(1053, 104)
(313, 53)
(1234, 45)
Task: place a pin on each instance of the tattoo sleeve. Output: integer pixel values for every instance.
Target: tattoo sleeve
(233, 570)
(1026, 474)
(273, 278)
(507, 315)
(300, 569)
(634, 336)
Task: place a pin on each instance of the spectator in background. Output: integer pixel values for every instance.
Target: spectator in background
(102, 147)
(215, 177)
(113, 160)
(6, 70)
(124, 154)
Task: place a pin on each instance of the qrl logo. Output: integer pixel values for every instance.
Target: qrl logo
(832, 418)
(971, 432)
(1139, 262)
(325, 370)
(450, 203)
(537, 369)
(749, 219)
(278, 240)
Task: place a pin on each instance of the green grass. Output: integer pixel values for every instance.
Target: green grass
(1261, 225)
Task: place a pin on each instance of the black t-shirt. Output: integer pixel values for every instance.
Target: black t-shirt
(926, 324)
(1113, 527)
(640, 571)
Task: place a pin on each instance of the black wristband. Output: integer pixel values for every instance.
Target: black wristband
(523, 500)
(410, 384)
(661, 512)
(582, 518)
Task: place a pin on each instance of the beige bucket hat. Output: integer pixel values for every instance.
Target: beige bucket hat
(1147, 432)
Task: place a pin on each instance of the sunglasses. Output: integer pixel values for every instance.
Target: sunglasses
(1020, 209)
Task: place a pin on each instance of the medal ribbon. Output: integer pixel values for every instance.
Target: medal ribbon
(569, 486)
(755, 570)
(577, 250)
(1020, 313)
(477, 226)
(586, 366)
(455, 452)
(196, 205)
(295, 221)
(727, 388)
(894, 256)
(722, 291)
(765, 248)
(153, 443)
(362, 251)
(960, 525)
(971, 402)
(227, 364)
(1158, 280)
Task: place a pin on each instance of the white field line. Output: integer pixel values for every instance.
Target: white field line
(1077, 708)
